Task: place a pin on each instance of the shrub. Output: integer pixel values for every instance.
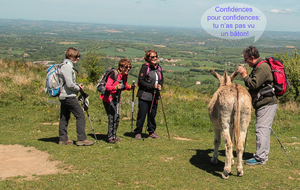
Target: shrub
(292, 69)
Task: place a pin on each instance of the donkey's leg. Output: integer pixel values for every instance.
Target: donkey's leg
(228, 150)
(231, 138)
(245, 119)
(217, 142)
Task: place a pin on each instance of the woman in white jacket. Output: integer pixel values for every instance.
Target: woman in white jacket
(69, 102)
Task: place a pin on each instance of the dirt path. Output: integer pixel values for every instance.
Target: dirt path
(17, 160)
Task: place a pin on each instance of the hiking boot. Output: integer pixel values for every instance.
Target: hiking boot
(85, 143)
(111, 141)
(67, 142)
(253, 161)
(117, 139)
(154, 136)
(138, 136)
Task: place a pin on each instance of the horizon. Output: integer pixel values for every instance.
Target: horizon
(128, 25)
(157, 13)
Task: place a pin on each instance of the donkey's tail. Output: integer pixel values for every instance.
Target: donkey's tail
(237, 121)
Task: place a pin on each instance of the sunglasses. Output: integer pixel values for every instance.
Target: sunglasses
(128, 67)
(152, 57)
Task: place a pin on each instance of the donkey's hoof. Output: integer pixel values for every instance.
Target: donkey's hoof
(240, 174)
(225, 175)
(213, 160)
(232, 162)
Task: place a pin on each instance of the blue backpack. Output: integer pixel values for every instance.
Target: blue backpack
(52, 81)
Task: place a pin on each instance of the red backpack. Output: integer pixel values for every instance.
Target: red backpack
(280, 78)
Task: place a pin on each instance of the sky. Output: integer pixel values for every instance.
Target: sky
(281, 15)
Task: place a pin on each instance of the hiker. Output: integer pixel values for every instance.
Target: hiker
(150, 82)
(69, 102)
(111, 102)
(265, 106)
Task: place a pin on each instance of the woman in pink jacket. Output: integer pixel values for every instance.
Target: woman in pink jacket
(114, 85)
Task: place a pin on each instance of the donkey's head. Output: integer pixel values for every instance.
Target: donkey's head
(225, 80)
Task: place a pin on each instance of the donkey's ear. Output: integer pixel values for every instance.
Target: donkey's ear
(215, 74)
(234, 74)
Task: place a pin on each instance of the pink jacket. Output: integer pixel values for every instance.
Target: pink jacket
(111, 85)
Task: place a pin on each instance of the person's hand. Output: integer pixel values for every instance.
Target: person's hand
(242, 70)
(81, 87)
(157, 86)
(119, 86)
(133, 86)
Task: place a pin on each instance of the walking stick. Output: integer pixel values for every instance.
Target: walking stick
(151, 105)
(92, 126)
(153, 100)
(282, 146)
(85, 103)
(118, 106)
(164, 115)
(132, 106)
(245, 144)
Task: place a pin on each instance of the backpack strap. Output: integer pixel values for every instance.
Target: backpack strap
(266, 89)
(158, 68)
(148, 69)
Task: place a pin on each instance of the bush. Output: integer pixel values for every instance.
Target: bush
(93, 64)
(292, 69)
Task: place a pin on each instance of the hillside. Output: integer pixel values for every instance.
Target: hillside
(29, 118)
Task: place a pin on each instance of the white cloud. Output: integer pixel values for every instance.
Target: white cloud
(284, 11)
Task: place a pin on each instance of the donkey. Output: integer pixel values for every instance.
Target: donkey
(230, 114)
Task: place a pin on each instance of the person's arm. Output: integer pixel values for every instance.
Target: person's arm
(67, 72)
(161, 82)
(111, 84)
(127, 87)
(260, 76)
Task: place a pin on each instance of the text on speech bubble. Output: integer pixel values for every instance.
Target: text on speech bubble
(234, 21)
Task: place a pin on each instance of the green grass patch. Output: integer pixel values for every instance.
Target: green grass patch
(179, 163)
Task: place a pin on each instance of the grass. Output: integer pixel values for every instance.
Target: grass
(132, 164)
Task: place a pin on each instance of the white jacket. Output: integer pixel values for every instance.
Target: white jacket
(68, 80)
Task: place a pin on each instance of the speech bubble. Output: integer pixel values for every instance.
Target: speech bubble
(234, 21)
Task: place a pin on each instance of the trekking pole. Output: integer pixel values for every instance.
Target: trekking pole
(92, 126)
(245, 144)
(153, 100)
(132, 106)
(164, 115)
(282, 146)
(118, 106)
(83, 98)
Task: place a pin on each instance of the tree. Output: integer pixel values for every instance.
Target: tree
(93, 64)
(292, 69)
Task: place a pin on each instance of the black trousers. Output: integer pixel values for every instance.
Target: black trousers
(113, 118)
(68, 106)
(144, 110)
